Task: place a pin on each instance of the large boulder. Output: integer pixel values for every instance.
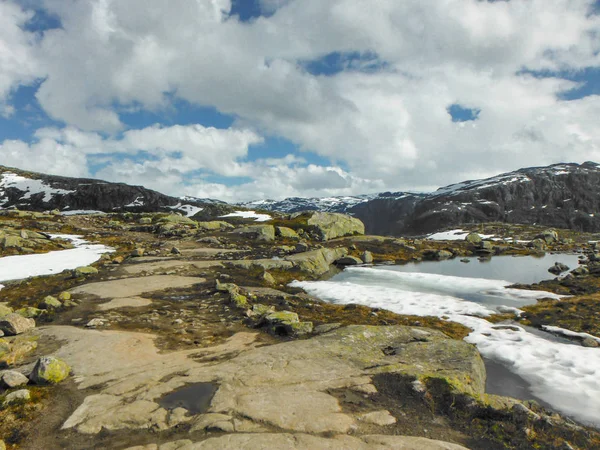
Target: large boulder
(317, 262)
(214, 225)
(286, 233)
(332, 225)
(14, 324)
(473, 238)
(260, 233)
(50, 302)
(49, 370)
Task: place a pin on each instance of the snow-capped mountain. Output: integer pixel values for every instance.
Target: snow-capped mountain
(40, 192)
(561, 195)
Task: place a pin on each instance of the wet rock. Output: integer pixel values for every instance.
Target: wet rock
(381, 418)
(14, 324)
(558, 268)
(332, 225)
(12, 379)
(349, 261)
(19, 396)
(49, 370)
(50, 302)
(84, 271)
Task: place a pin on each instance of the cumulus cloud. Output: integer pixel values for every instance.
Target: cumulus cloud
(382, 115)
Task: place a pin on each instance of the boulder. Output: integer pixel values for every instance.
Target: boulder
(538, 244)
(580, 271)
(437, 255)
(473, 238)
(50, 302)
(64, 296)
(29, 312)
(485, 247)
(367, 257)
(12, 379)
(260, 233)
(349, 261)
(11, 242)
(138, 252)
(215, 225)
(287, 323)
(286, 233)
(5, 310)
(558, 268)
(84, 271)
(145, 221)
(14, 324)
(49, 370)
(268, 278)
(317, 262)
(549, 236)
(332, 225)
(19, 396)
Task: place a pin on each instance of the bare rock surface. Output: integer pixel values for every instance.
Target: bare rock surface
(134, 287)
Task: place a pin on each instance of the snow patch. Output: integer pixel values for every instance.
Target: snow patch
(249, 215)
(454, 235)
(29, 186)
(79, 212)
(189, 210)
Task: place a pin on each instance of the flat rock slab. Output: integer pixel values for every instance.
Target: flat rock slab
(124, 302)
(287, 441)
(170, 264)
(135, 287)
(285, 386)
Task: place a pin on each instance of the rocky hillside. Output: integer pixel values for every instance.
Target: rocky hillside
(40, 192)
(560, 195)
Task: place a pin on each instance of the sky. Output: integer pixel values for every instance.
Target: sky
(251, 99)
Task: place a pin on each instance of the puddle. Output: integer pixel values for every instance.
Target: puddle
(195, 397)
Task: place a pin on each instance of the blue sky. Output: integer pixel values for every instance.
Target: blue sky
(273, 98)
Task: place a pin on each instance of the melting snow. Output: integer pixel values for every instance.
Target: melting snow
(24, 266)
(189, 210)
(139, 201)
(454, 235)
(564, 375)
(29, 186)
(249, 215)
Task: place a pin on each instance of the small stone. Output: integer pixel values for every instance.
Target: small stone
(63, 296)
(367, 257)
(268, 278)
(49, 370)
(95, 323)
(175, 251)
(138, 252)
(50, 302)
(14, 324)
(5, 310)
(29, 312)
(349, 261)
(118, 260)
(83, 271)
(381, 418)
(12, 379)
(589, 342)
(21, 395)
(473, 238)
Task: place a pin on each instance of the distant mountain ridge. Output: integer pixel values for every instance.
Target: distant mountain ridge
(41, 192)
(565, 195)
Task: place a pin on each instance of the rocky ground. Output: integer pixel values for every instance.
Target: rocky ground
(188, 337)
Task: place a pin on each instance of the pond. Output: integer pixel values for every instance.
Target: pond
(555, 371)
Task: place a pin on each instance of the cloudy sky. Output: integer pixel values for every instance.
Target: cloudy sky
(248, 99)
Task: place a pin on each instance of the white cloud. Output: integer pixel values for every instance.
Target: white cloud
(387, 127)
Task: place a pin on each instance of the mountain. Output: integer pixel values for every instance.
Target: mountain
(561, 195)
(40, 192)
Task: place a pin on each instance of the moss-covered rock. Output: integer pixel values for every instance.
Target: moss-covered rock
(317, 262)
(286, 233)
(84, 271)
(260, 233)
(177, 219)
(29, 312)
(5, 310)
(49, 370)
(13, 324)
(332, 225)
(50, 302)
(215, 225)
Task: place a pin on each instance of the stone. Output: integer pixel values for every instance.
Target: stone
(11, 242)
(286, 233)
(485, 247)
(287, 323)
(138, 252)
(2, 445)
(538, 244)
(215, 225)
(332, 225)
(213, 422)
(260, 233)
(381, 418)
(49, 370)
(12, 379)
(590, 342)
(473, 238)
(549, 236)
(175, 251)
(97, 322)
(367, 257)
(5, 310)
(349, 261)
(580, 271)
(238, 300)
(29, 312)
(145, 221)
(317, 262)
(64, 296)
(50, 302)
(22, 395)
(84, 271)
(437, 255)
(558, 268)
(268, 278)
(14, 324)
